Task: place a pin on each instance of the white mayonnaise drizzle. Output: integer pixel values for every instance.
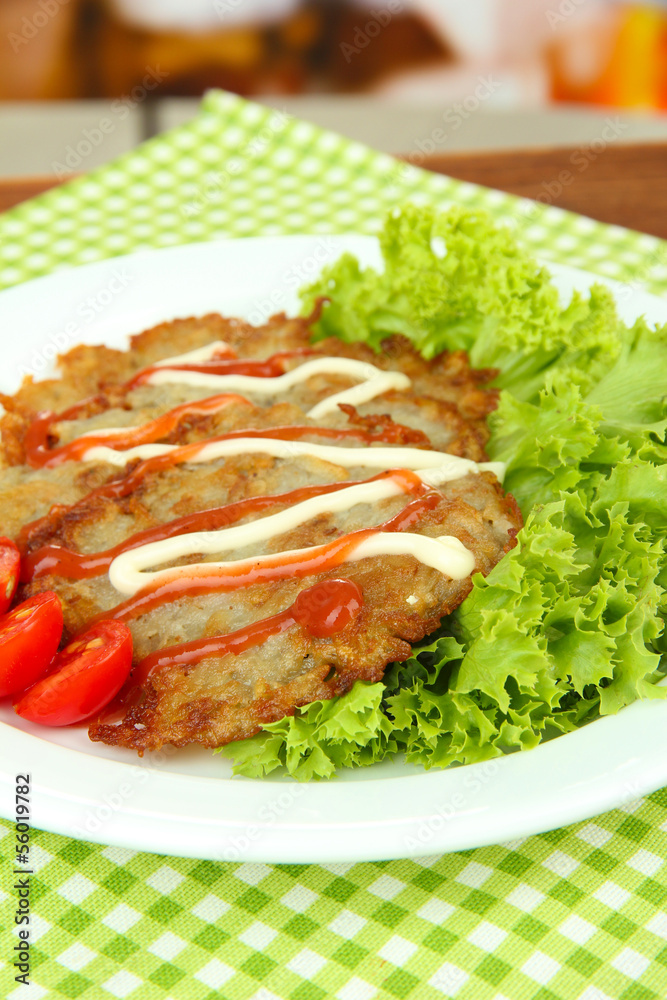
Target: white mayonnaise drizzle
(374, 381)
(199, 354)
(128, 573)
(349, 458)
(446, 554)
(450, 557)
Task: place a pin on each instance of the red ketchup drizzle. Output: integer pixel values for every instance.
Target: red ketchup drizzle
(320, 559)
(38, 453)
(271, 368)
(130, 481)
(322, 611)
(59, 561)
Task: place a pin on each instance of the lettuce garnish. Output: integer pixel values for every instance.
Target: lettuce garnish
(570, 624)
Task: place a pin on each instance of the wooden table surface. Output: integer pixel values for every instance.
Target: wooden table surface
(621, 184)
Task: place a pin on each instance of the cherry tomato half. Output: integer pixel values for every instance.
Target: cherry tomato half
(29, 637)
(10, 561)
(83, 678)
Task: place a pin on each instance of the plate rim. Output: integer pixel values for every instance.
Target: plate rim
(277, 842)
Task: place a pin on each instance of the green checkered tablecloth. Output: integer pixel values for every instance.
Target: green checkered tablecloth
(576, 914)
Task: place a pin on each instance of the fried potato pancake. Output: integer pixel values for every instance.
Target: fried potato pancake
(229, 697)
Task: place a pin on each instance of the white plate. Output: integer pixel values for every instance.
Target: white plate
(185, 802)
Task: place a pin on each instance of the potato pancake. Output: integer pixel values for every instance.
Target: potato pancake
(274, 519)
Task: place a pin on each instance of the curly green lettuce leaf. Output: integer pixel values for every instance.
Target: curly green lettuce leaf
(570, 624)
(546, 445)
(632, 394)
(562, 630)
(454, 281)
(349, 731)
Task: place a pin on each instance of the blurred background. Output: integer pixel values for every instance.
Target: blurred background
(539, 72)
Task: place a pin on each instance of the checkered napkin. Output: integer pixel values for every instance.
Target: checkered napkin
(575, 914)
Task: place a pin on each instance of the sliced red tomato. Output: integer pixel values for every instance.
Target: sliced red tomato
(29, 638)
(10, 562)
(83, 678)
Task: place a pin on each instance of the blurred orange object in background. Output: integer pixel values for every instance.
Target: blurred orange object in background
(40, 49)
(622, 63)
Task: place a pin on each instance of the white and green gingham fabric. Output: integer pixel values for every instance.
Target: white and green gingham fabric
(575, 914)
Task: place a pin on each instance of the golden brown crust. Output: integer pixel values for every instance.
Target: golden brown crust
(208, 704)
(227, 698)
